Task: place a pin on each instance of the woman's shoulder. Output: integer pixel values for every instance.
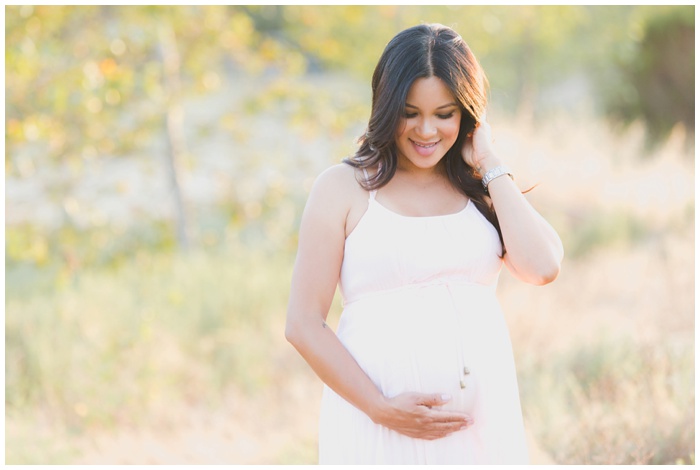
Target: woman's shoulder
(341, 179)
(340, 173)
(338, 189)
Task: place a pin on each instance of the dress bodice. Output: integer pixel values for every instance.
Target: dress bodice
(388, 251)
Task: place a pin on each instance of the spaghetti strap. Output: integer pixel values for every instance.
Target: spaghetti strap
(373, 192)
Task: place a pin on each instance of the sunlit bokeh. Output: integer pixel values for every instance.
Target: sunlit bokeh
(157, 161)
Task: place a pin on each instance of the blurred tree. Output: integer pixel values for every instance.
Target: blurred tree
(92, 82)
(659, 75)
(524, 49)
(72, 70)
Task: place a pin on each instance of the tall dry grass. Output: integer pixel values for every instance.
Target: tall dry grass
(606, 353)
(182, 359)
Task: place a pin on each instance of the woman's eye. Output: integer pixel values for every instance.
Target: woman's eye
(408, 115)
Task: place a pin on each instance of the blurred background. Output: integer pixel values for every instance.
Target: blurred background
(157, 161)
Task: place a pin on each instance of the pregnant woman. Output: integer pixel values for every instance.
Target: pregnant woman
(415, 228)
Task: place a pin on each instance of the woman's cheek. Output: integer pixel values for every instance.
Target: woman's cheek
(454, 129)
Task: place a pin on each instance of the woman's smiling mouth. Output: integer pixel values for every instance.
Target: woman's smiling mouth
(425, 145)
(424, 149)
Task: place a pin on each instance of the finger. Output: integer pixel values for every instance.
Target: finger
(442, 416)
(441, 430)
(433, 399)
(448, 428)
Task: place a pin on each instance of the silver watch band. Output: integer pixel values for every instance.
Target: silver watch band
(494, 173)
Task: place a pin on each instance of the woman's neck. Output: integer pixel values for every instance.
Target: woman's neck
(417, 174)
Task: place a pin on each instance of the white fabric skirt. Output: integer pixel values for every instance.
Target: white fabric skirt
(420, 338)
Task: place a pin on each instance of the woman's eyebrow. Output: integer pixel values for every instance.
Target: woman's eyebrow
(408, 105)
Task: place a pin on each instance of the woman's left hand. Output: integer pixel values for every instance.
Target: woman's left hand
(478, 151)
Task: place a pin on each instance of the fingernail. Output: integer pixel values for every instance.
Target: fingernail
(446, 397)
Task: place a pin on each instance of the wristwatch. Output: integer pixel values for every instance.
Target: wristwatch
(494, 173)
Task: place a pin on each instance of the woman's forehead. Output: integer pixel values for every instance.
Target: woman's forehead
(430, 92)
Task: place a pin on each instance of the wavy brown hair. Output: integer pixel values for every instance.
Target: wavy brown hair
(424, 51)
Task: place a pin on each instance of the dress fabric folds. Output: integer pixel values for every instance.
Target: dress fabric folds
(420, 314)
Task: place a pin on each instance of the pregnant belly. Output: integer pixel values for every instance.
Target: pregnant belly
(425, 339)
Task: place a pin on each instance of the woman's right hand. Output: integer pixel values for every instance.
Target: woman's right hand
(412, 414)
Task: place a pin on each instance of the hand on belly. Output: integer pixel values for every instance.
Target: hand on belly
(417, 415)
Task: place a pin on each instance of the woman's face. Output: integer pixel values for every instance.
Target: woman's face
(429, 126)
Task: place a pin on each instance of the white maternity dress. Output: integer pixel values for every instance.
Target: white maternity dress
(420, 314)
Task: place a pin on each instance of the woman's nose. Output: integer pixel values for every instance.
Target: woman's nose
(426, 128)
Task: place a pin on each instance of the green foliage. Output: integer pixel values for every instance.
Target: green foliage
(97, 82)
(597, 230)
(524, 48)
(62, 254)
(87, 81)
(659, 76)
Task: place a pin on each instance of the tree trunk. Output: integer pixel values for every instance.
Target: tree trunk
(174, 124)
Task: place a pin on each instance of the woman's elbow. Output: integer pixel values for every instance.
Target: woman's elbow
(547, 273)
(551, 266)
(546, 277)
(538, 270)
(291, 332)
(297, 331)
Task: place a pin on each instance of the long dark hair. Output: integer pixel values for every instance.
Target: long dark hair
(424, 51)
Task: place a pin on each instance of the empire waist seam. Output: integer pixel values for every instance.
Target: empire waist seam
(447, 282)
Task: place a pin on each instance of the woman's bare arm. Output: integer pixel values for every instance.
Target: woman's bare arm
(533, 248)
(316, 274)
